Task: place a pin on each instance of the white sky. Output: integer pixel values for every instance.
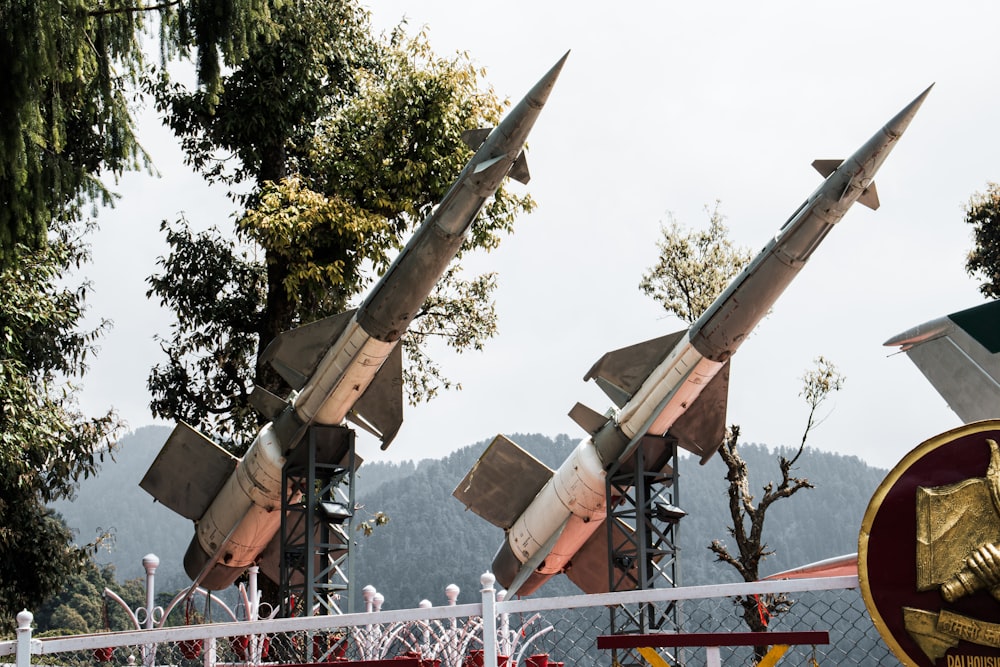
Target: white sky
(666, 107)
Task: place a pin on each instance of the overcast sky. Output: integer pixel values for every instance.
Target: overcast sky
(664, 107)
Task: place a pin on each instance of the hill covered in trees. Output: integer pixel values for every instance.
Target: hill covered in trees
(432, 541)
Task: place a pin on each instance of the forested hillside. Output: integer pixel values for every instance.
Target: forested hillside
(431, 541)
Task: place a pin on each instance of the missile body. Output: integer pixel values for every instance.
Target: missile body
(959, 354)
(344, 367)
(674, 385)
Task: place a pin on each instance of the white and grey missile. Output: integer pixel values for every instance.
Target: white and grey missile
(676, 385)
(959, 354)
(347, 366)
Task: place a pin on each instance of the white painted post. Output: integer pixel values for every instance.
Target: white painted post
(451, 592)
(712, 658)
(489, 619)
(425, 627)
(24, 620)
(506, 645)
(150, 562)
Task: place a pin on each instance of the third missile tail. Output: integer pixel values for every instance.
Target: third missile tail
(959, 354)
(675, 386)
(348, 366)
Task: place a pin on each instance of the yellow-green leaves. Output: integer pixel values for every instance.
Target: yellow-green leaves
(320, 240)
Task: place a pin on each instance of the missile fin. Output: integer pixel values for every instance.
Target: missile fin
(380, 409)
(474, 138)
(519, 171)
(486, 165)
(488, 489)
(826, 167)
(869, 197)
(589, 419)
(701, 429)
(589, 567)
(188, 473)
(620, 373)
(296, 353)
(266, 404)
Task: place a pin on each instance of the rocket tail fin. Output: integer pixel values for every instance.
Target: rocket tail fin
(589, 568)
(474, 138)
(519, 170)
(869, 197)
(502, 483)
(826, 167)
(380, 409)
(620, 373)
(266, 404)
(589, 419)
(296, 353)
(188, 473)
(701, 429)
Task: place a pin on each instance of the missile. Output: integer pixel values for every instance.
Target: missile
(959, 354)
(348, 366)
(676, 385)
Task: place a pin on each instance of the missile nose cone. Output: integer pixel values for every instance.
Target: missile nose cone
(539, 93)
(901, 121)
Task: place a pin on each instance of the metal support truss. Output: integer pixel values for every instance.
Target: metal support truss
(643, 522)
(316, 515)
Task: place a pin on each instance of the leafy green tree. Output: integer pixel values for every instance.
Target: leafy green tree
(983, 213)
(46, 444)
(345, 143)
(68, 69)
(78, 607)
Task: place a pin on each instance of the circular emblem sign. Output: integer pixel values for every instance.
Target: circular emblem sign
(929, 551)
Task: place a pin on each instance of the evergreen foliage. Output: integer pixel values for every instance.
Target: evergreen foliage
(431, 541)
(69, 69)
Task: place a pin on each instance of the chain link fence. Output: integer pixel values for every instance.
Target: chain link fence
(561, 632)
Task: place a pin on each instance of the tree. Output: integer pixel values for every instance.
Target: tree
(748, 514)
(345, 143)
(66, 117)
(983, 262)
(69, 69)
(46, 444)
(693, 267)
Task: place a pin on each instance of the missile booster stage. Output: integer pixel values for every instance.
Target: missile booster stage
(676, 385)
(348, 366)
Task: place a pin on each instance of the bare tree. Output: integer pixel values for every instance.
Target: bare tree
(747, 513)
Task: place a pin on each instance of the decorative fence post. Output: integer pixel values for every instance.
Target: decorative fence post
(489, 620)
(24, 620)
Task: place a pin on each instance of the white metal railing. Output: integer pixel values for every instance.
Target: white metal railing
(491, 628)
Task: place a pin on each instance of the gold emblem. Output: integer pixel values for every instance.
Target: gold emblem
(958, 552)
(945, 496)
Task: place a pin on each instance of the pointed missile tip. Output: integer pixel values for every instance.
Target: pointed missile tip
(539, 93)
(901, 121)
